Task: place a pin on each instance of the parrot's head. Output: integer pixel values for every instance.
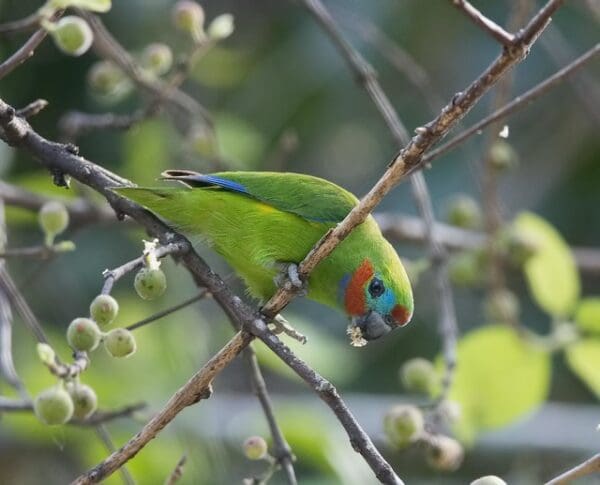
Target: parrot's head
(378, 297)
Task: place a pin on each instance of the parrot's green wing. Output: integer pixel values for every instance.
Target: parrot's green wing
(309, 197)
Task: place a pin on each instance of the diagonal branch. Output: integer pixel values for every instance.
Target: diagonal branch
(487, 25)
(588, 467)
(26, 50)
(517, 103)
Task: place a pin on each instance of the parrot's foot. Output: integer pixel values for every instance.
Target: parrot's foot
(289, 279)
(281, 325)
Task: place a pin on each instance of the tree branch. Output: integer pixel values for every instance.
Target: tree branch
(487, 25)
(27, 49)
(283, 453)
(517, 103)
(586, 468)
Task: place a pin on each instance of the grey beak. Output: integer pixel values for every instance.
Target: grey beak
(372, 325)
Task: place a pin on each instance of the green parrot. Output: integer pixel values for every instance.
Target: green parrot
(259, 222)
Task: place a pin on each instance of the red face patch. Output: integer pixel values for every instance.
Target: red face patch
(401, 315)
(354, 298)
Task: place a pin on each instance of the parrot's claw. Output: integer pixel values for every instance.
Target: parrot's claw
(289, 279)
(281, 325)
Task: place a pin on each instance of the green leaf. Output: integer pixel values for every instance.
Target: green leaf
(587, 315)
(551, 272)
(91, 5)
(584, 360)
(499, 378)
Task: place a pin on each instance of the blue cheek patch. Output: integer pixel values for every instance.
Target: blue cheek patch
(383, 304)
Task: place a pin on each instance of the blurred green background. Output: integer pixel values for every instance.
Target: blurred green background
(279, 78)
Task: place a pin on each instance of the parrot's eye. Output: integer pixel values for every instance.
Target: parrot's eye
(376, 287)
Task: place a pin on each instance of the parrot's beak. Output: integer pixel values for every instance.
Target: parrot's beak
(372, 325)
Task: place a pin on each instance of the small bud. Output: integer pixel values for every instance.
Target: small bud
(157, 58)
(465, 269)
(188, 17)
(464, 212)
(71, 34)
(46, 354)
(444, 453)
(104, 309)
(501, 306)
(54, 219)
(503, 156)
(488, 480)
(255, 448)
(83, 334)
(221, 27)
(120, 342)
(53, 406)
(106, 79)
(403, 424)
(419, 375)
(150, 283)
(84, 399)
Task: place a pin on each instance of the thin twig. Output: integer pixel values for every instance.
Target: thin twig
(25, 24)
(37, 252)
(100, 417)
(76, 123)
(487, 25)
(26, 50)
(111, 276)
(152, 318)
(8, 404)
(7, 365)
(32, 109)
(14, 295)
(105, 438)
(584, 85)
(283, 452)
(81, 211)
(586, 468)
(177, 472)
(396, 56)
(517, 103)
(492, 210)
